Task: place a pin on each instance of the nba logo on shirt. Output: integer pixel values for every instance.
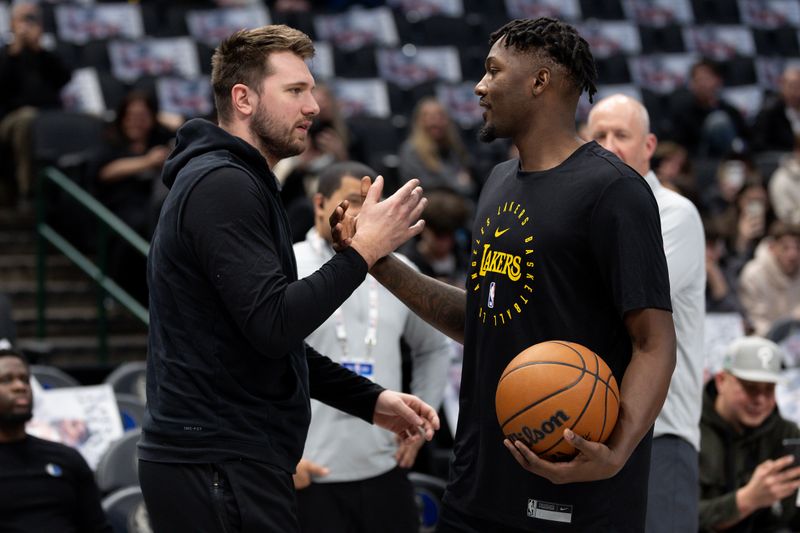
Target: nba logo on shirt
(490, 303)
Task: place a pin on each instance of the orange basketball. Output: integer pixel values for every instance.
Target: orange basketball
(552, 386)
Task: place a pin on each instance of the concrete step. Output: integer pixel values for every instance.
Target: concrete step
(68, 350)
(76, 320)
(59, 293)
(14, 241)
(22, 267)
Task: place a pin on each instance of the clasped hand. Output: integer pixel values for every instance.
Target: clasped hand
(594, 461)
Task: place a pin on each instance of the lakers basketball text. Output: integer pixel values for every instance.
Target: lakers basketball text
(503, 253)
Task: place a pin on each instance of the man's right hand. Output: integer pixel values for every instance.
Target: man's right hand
(772, 481)
(382, 226)
(306, 470)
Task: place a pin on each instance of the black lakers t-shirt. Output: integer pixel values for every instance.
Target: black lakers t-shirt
(560, 254)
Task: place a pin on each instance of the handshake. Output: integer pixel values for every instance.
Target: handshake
(379, 226)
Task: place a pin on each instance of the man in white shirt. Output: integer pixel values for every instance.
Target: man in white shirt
(352, 476)
(622, 125)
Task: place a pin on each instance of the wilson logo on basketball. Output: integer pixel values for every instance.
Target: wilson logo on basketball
(506, 261)
(531, 436)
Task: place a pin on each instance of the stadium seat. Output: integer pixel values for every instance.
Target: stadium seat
(715, 12)
(129, 378)
(738, 71)
(783, 328)
(613, 70)
(608, 10)
(126, 511)
(118, 467)
(59, 137)
(131, 410)
(50, 377)
(661, 40)
(776, 42)
(360, 63)
(428, 491)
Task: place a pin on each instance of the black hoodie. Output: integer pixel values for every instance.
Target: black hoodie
(229, 375)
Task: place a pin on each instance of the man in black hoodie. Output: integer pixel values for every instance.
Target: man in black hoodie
(229, 375)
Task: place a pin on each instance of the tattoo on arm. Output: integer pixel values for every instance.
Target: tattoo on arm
(441, 305)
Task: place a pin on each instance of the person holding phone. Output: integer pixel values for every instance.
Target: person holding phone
(748, 479)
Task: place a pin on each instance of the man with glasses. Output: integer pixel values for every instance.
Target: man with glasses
(748, 479)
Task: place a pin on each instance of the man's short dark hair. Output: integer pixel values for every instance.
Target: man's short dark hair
(243, 58)
(780, 229)
(706, 62)
(330, 179)
(10, 352)
(561, 42)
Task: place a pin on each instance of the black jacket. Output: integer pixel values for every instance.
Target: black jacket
(229, 375)
(727, 461)
(772, 130)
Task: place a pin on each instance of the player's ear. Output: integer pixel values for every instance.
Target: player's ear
(319, 203)
(540, 80)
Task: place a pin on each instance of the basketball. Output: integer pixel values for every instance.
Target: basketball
(552, 386)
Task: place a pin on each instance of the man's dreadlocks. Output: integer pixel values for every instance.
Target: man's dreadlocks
(559, 41)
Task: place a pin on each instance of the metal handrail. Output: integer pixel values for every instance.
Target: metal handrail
(107, 221)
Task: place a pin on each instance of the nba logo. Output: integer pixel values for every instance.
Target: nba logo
(490, 303)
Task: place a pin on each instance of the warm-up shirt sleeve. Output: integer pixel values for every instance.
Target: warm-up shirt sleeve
(334, 385)
(225, 223)
(626, 240)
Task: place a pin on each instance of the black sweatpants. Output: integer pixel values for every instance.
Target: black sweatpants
(382, 504)
(230, 497)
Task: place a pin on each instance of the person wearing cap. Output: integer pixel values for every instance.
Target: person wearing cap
(747, 480)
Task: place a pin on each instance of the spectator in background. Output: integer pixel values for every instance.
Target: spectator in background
(352, 475)
(436, 251)
(31, 80)
(434, 152)
(747, 482)
(702, 121)
(778, 122)
(721, 280)
(732, 173)
(784, 187)
(127, 180)
(769, 286)
(671, 164)
(44, 486)
(744, 223)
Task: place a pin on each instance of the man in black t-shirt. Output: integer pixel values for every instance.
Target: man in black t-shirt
(44, 486)
(566, 245)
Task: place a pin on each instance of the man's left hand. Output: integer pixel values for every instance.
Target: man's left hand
(407, 452)
(406, 416)
(594, 461)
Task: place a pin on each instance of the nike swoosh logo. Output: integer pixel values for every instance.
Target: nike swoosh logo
(498, 232)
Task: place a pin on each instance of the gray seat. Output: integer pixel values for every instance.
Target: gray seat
(129, 378)
(50, 377)
(126, 511)
(428, 491)
(131, 410)
(118, 467)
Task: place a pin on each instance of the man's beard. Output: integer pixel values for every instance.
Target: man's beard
(270, 139)
(14, 420)
(487, 133)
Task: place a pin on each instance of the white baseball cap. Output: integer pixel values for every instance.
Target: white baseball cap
(754, 359)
